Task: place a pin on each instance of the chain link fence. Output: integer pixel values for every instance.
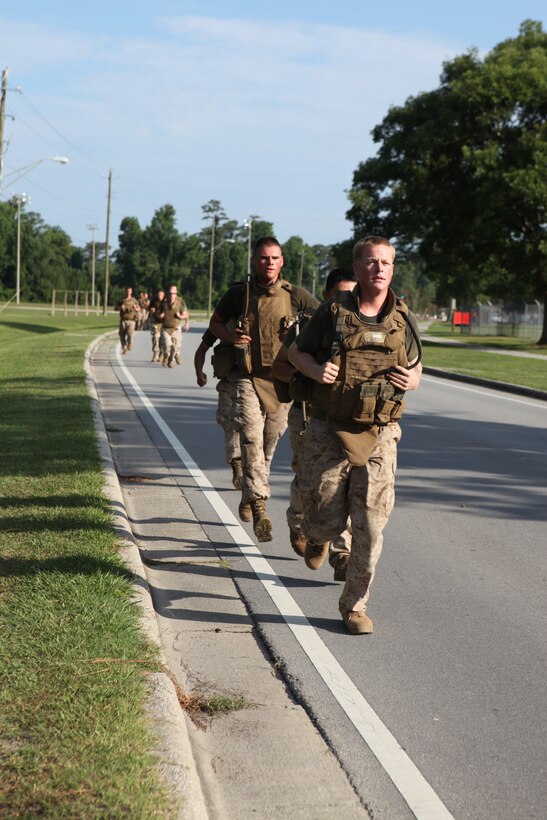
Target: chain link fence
(523, 320)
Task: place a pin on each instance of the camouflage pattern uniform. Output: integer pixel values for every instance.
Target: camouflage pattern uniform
(128, 315)
(299, 491)
(366, 493)
(144, 304)
(339, 489)
(171, 330)
(225, 407)
(258, 416)
(155, 330)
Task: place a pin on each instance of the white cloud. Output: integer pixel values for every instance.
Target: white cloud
(236, 110)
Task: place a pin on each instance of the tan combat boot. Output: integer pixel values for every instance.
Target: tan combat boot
(261, 523)
(358, 623)
(298, 542)
(315, 554)
(237, 473)
(245, 512)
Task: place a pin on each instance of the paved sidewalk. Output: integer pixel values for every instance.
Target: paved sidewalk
(266, 760)
(444, 340)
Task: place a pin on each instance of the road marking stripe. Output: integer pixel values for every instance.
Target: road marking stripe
(414, 788)
(491, 393)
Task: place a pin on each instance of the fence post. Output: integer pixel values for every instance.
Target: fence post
(65, 304)
(53, 303)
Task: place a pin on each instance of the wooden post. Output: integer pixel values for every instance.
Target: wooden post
(65, 304)
(53, 303)
(98, 302)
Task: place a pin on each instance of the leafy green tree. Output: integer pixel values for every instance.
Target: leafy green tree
(459, 180)
(129, 256)
(162, 246)
(8, 233)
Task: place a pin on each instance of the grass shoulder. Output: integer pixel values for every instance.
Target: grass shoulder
(74, 737)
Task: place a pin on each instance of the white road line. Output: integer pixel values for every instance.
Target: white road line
(492, 393)
(416, 791)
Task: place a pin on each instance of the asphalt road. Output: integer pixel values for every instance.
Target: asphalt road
(455, 668)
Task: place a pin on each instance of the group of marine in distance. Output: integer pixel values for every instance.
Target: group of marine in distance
(163, 316)
(335, 374)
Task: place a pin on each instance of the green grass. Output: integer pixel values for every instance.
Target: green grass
(520, 370)
(495, 366)
(443, 330)
(74, 741)
(73, 738)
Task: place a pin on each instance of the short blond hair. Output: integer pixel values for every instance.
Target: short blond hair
(360, 246)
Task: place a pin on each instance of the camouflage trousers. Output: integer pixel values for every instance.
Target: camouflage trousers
(259, 432)
(126, 332)
(171, 341)
(300, 489)
(365, 494)
(142, 319)
(155, 334)
(225, 417)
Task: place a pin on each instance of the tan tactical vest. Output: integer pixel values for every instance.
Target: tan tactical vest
(128, 310)
(170, 321)
(364, 352)
(270, 314)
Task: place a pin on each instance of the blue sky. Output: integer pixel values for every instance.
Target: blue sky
(267, 107)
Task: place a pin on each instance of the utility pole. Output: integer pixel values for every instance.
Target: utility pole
(2, 119)
(92, 228)
(249, 224)
(107, 247)
(20, 198)
(212, 253)
(301, 266)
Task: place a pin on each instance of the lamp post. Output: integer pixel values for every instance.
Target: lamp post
(93, 228)
(211, 254)
(21, 172)
(249, 225)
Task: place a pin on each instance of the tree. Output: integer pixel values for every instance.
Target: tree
(129, 256)
(459, 180)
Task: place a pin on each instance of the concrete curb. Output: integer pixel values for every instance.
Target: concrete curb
(173, 745)
(530, 392)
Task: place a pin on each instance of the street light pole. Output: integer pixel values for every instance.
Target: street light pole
(93, 228)
(107, 261)
(211, 254)
(249, 224)
(21, 172)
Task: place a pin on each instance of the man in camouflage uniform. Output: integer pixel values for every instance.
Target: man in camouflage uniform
(223, 364)
(129, 310)
(156, 324)
(173, 312)
(144, 304)
(260, 312)
(338, 280)
(359, 353)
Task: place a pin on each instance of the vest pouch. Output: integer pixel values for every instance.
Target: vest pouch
(301, 388)
(364, 407)
(282, 390)
(223, 361)
(388, 410)
(243, 361)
